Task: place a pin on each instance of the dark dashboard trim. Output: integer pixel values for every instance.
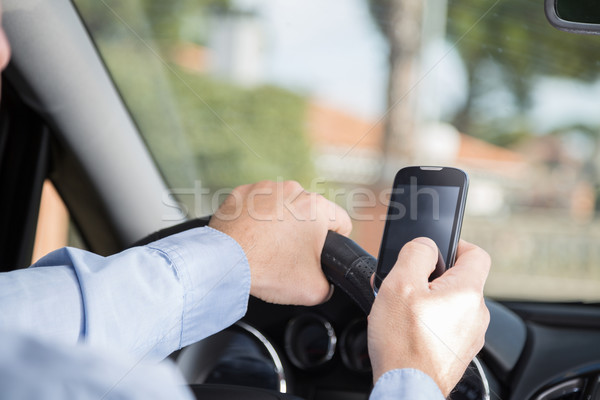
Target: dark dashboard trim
(565, 315)
(505, 340)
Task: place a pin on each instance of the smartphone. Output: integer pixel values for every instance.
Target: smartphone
(425, 201)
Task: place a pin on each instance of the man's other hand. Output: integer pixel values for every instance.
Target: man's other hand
(437, 327)
(282, 228)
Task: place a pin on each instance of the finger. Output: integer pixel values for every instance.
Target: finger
(464, 246)
(293, 195)
(319, 289)
(416, 262)
(330, 294)
(472, 265)
(292, 189)
(338, 219)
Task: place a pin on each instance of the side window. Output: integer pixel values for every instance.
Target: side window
(33, 218)
(54, 226)
(24, 161)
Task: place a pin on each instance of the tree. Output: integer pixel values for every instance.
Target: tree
(400, 22)
(515, 36)
(198, 127)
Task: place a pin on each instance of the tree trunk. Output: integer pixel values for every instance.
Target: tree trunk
(462, 120)
(403, 29)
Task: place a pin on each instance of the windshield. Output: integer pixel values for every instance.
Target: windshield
(339, 95)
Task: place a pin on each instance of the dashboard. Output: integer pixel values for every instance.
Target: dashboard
(533, 351)
(315, 353)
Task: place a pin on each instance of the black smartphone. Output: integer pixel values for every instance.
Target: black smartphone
(425, 201)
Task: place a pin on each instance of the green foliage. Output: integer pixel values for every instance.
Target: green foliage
(197, 127)
(504, 136)
(515, 35)
(168, 20)
(243, 135)
(231, 135)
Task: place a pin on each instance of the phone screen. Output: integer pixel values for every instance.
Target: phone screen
(418, 209)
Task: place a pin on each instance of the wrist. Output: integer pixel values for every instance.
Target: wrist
(406, 383)
(430, 372)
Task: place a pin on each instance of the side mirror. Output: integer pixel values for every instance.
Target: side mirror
(575, 16)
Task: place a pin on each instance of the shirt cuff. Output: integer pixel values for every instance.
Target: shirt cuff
(406, 383)
(215, 275)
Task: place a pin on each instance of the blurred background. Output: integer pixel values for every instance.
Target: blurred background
(341, 94)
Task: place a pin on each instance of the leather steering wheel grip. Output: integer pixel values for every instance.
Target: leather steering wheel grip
(172, 230)
(349, 267)
(345, 264)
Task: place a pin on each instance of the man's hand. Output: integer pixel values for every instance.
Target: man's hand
(282, 228)
(437, 327)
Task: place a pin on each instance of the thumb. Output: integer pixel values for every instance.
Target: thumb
(416, 262)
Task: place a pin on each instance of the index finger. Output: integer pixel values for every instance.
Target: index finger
(472, 265)
(338, 219)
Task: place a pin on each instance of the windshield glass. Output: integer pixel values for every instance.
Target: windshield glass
(339, 95)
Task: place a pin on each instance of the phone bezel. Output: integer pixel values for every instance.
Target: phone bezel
(430, 176)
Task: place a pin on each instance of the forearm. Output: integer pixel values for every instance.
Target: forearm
(43, 301)
(33, 368)
(147, 300)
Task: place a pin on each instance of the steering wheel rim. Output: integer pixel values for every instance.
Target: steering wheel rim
(345, 264)
(349, 267)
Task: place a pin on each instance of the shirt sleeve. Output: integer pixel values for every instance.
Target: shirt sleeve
(148, 301)
(33, 368)
(407, 383)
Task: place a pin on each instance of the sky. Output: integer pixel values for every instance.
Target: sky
(333, 51)
(560, 102)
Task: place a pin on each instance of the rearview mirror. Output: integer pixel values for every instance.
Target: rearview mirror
(576, 16)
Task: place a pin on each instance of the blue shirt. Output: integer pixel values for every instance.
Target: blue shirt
(128, 309)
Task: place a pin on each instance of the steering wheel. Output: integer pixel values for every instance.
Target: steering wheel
(345, 264)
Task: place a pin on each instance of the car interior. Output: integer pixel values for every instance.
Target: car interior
(66, 118)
